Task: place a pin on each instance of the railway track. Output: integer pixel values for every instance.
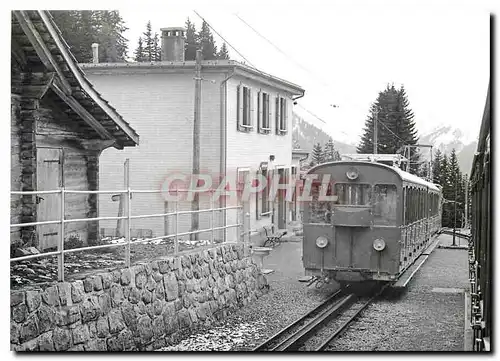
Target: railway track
(318, 328)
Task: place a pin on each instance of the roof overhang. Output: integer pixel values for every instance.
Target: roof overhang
(222, 66)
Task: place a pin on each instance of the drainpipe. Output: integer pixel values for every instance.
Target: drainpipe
(223, 143)
(300, 96)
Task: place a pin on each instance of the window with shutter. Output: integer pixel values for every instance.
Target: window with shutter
(277, 115)
(265, 195)
(264, 113)
(245, 108)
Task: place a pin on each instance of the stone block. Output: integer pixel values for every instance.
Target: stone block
(116, 322)
(33, 300)
(157, 276)
(97, 283)
(158, 307)
(29, 346)
(29, 329)
(77, 348)
(129, 316)
(80, 334)
(144, 329)
(14, 333)
(116, 294)
(102, 327)
(63, 316)
(163, 266)
(158, 326)
(184, 319)
(114, 344)
(105, 303)
(45, 342)
(171, 287)
(96, 345)
(146, 296)
(77, 291)
(135, 295)
(107, 280)
(65, 293)
(61, 338)
(90, 310)
(140, 279)
(88, 285)
(126, 276)
(19, 312)
(51, 296)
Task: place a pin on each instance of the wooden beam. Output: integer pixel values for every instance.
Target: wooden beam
(38, 90)
(40, 47)
(18, 53)
(84, 83)
(94, 144)
(82, 112)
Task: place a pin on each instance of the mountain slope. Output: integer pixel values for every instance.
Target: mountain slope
(307, 135)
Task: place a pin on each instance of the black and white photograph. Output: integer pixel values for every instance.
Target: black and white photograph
(295, 176)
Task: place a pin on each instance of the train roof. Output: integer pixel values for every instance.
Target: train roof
(405, 176)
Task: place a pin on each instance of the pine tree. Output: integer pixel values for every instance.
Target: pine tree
(207, 43)
(317, 155)
(395, 128)
(456, 193)
(192, 42)
(156, 48)
(148, 43)
(80, 29)
(330, 153)
(436, 168)
(139, 52)
(223, 52)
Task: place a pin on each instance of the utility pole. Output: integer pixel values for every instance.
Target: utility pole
(455, 212)
(375, 135)
(466, 204)
(195, 217)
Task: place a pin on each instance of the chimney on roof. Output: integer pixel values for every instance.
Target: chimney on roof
(172, 44)
(95, 53)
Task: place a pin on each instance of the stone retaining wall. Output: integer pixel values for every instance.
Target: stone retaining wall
(141, 308)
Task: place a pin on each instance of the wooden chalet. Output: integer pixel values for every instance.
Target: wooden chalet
(59, 126)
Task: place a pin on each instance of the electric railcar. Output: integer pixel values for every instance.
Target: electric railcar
(375, 224)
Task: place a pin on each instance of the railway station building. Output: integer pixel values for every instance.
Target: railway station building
(245, 129)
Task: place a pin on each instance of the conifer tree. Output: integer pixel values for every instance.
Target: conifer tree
(395, 128)
(139, 52)
(207, 43)
(330, 153)
(191, 43)
(223, 52)
(156, 48)
(436, 168)
(317, 155)
(148, 43)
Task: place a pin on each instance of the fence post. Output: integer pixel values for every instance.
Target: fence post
(211, 195)
(60, 257)
(127, 230)
(176, 238)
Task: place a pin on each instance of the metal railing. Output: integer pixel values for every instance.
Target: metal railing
(127, 218)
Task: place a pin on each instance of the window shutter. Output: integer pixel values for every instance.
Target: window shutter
(239, 105)
(285, 115)
(251, 107)
(259, 111)
(278, 114)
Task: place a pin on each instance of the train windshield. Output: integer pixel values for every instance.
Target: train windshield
(353, 194)
(385, 204)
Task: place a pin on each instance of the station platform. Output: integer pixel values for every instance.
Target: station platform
(434, 301)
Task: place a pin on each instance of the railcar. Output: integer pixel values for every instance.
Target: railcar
(480, 247)
(366, 221)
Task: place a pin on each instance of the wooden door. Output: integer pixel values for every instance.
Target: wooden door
(49, 177)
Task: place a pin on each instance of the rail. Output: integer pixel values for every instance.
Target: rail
(127, 193)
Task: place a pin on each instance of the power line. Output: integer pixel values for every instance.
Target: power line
(228, 43)
(262, 73)
(281, 51)
(386, 127)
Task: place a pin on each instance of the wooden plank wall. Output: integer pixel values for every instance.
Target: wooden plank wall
(15, 166)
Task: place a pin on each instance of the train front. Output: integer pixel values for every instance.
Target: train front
(351, 222)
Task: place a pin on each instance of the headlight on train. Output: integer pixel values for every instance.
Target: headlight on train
(379, 245)
(321, 242)
(352, 174)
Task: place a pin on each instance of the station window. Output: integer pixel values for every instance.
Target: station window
(353, 194)
(244, 106)
(385, 204)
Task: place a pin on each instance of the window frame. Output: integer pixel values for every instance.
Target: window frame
(244, 115)
(354, 205)
(281, 115)
(263, 112)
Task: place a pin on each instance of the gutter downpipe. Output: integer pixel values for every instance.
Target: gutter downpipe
(223, 143)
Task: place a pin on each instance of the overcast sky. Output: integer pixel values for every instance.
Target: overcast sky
(344, 53)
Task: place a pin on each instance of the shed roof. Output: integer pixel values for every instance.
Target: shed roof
(37, 41)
